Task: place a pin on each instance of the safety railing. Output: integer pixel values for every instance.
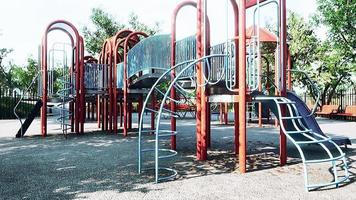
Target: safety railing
(95, 76)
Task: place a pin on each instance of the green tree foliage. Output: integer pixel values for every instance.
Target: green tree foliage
(5, 76)
(337, 55)
(330, 63)
(106, 26)
(302, 40)
(22, 76)
(339, 17)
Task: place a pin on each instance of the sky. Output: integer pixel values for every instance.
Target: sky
(22, 22)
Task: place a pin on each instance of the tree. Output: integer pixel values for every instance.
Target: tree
(324, 61)
(5, 76)
(106, 26)
(338, 53)
(339, 17)
(23, 76)
(302, 41)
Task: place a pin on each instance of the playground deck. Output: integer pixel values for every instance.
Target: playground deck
(104, 166)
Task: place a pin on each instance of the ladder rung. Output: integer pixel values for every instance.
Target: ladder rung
(173, 152)
(168, 133)
(294, 117)
(325, 160)
(313, 142)
(286, 102)
(304, 131)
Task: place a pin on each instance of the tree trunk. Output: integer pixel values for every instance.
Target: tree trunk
(323, 95)
(333, 89)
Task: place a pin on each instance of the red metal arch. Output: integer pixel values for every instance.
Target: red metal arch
(78, 45)
(125, 91)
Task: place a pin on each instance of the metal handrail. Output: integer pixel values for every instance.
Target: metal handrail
(314, 87)
(22, 96)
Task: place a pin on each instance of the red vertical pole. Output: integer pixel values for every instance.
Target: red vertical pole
(125, 90)
(98, 110)
(260, 90)
(82, 88)
(115, 88)
(283, 57)
(242, 86)
(226, 113)
(130, 115)
(44, 88)
(121, 112)
(110, 89)
(77, 90)
(92, 110)
(173, 74)
(221, 108)
(236, 105)
(201, 98)
(289, 67)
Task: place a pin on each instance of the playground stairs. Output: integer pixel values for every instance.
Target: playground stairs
(294, 127)
(158, 103)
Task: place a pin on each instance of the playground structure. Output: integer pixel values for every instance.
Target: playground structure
(161, 73)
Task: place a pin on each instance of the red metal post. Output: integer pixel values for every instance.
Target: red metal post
(44, 88)
(226, 113)
(200, 97)
(289, 67)
(283, 57)
(173, 62)
(242, 86)
(82, 88)
(236, 41)
(125, 88)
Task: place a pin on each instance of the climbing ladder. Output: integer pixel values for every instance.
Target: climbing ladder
(183, 70)
(293, 127)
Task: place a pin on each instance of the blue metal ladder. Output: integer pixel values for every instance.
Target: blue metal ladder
(293, 127)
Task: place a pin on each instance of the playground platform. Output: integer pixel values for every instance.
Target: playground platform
(100, 165)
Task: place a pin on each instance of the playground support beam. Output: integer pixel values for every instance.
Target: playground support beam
(82, 88)
(289, 80)
(283, 61)
(173, 63)
(242, 86)
(125, 88)
(200, 115)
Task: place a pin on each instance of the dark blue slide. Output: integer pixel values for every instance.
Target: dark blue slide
(311, 122)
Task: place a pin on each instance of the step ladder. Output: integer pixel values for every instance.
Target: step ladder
(293, 127)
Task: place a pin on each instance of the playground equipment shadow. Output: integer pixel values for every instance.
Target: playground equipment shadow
(99, 165)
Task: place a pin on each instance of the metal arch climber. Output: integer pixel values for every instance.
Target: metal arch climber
(75, 74)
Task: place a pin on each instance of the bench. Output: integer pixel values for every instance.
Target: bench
(328, 110)
(350, 111)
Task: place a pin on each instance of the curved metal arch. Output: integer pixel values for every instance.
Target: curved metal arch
(78, 54)
(125, 88)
